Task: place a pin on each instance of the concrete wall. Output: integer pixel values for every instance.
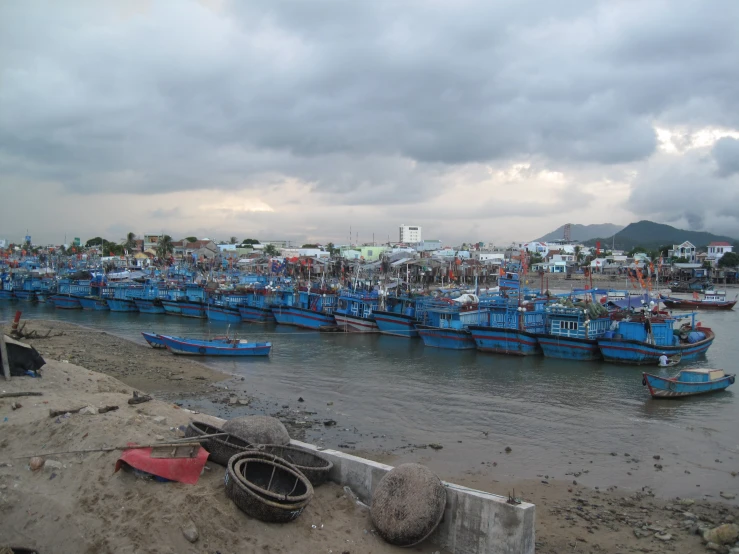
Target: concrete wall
(474, 522)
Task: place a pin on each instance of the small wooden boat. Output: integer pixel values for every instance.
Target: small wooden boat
(712, 300)
(215, 347)
(154, 340)
(671, 361)
(688, 382)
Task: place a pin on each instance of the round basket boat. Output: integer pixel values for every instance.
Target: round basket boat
(221, 449)
(243, 472)
(310, 464)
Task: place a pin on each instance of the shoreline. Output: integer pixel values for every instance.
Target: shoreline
(122, 363)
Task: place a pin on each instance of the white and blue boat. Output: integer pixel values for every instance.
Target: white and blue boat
(215, 347)
(6, 289)
(258, 305)
(311, 309)
(401, 314)
(69, 293)
(120, 298)
(448, 321)
(642, 339)
(688, 382)
(154, 340)
(355, 311)
(572, 333)
(226, 308)
(511, 328)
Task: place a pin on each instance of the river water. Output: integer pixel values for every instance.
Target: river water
(388, 394)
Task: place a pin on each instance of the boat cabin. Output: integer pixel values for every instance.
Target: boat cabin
(357, 304)
(317, 301)
(568, 322)
(701, 375)
(714, 296)
(661, 331)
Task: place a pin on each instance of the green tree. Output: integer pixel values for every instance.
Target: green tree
(730, 259)
(130, 243)
(250, 242)
(233, 240)
(164, 246)
(535, 258)
(271, 250)
(331, 248)
(191, 239)
(309, 246)
(637, 250)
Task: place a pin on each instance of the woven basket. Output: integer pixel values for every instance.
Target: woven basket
(221, 449)
(310, 464)
(254, 504)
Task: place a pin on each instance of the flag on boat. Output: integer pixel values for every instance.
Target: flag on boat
(278, 266)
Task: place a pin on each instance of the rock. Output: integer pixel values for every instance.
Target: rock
(36, 463)
(233, 400)
(728, 533)
(89, 410)
(16, 405)
(727, 496)
(712, 546)
(508, 449)
(300, 399)
(161, 420)
(663, 536)
(435, 446)
(614, 454)
(656, 457)
(329, 423)
(639, 534)
(53, 464)
(686, 502)
(258, 430)
(190, 531)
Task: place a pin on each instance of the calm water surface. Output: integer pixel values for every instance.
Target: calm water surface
(558, 417)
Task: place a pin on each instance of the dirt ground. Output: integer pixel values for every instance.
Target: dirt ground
(84, 507)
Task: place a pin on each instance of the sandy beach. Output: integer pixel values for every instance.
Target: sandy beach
(77, 503)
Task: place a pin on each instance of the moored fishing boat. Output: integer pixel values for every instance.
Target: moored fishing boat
(93, 303)
(511, 328)
(447, 322)
(642, 339)
(572, 332)
(355, 311)
(6, 290)
(688, 382)
(258, 305)
(312, 309)
(225, 308)
(154, 340)
(401, 314)
(215, 347)
(712, 300)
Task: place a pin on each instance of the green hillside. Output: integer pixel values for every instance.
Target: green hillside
(582, 232)
(653, 235)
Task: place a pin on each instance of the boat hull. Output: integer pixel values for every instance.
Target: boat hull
(678, 304)
(146, 306)
(224, 313)
(353, 324)
(640, 353)
(122, 305)
(254, 314)
(154, 340)
(172, 307)
(215, 348)
(195, 310)
(25, 295)
(397, 325)
(660, 387)
(7, 295)
(64, 302)
(565, 348)
(452, 339)
(505, 341)
(94, 304)
(302, 317)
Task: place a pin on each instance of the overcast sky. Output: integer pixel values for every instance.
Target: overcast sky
(478, 120)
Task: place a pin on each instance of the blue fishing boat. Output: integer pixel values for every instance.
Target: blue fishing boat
(226, 308)
(258, 305)
(120, 298)
(150, 299)
(69, 293)
(688, 382)
(6, 290)
(24, 289)
(171, 303)
(310, 309)
(642, 339)
(511, 328)
(401, 314)
(447, 322)
(355, 311)
(154, 340)
(194, 302)
(215, 347)
(573, 332)
(93, 303)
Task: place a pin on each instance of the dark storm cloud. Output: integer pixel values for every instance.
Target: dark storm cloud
(352, 97)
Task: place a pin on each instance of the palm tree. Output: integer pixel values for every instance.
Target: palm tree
(164, 247)
(130, 243)
(233, 240)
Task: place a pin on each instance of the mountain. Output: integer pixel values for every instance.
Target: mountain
(582, 233)
(653, 235)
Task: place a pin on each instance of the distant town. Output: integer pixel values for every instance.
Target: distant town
(561, 257)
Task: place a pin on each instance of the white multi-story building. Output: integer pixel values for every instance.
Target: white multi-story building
(716, 250)
(410, 234)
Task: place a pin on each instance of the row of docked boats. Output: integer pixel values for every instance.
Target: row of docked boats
(582, 325)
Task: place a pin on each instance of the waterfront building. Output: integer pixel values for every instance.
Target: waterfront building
(410, 234)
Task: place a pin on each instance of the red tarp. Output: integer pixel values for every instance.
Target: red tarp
(184, 470)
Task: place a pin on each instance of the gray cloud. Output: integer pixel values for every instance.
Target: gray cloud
(369, 103)
(726, 154)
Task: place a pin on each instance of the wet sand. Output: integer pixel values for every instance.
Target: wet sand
(570, 517)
